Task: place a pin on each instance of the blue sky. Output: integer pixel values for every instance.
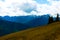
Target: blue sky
(42, 1)
(2, 0)
(29, 7)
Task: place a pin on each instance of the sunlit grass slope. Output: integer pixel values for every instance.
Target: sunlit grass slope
(48, 32)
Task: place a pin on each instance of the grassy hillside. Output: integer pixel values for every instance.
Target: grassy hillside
(48, 32)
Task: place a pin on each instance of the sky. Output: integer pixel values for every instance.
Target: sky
(29, 7)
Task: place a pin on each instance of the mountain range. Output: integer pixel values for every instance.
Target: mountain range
(14, 24)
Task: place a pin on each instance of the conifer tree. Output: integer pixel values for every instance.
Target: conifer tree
(50, 19)
(57, 18)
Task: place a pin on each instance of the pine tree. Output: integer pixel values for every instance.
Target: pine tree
(57, 18)
(50, 19)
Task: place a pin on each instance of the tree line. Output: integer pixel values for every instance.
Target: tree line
(51, 19)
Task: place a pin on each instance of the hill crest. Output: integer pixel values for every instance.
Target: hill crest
(48, 32)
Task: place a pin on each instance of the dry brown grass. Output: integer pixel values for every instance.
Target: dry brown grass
(48, 32)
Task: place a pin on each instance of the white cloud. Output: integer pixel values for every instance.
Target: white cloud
(51, 9)
(17, 8)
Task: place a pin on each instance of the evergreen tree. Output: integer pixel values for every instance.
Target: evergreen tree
(50, 19)
(57, 18)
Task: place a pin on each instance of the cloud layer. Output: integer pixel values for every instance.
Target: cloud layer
(29, 7)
